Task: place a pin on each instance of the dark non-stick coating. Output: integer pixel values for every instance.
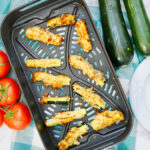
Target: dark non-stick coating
(19, 49)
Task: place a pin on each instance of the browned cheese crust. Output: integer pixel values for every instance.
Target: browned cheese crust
(52, 80)
(37, 33)
(43, 63)
(65, 117)
(89, 96)
(84, 38)
(66, 19)
(106, 119)
(72, 137)
(78, 62)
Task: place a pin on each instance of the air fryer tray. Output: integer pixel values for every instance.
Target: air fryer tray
(19, 49)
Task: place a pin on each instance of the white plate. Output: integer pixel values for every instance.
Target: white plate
(139, 93)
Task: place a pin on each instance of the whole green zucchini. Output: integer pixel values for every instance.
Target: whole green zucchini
(117, 40)
(140, 25)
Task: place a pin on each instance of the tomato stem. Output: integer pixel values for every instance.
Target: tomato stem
(3, 91)
(9, 113)
(3, 109)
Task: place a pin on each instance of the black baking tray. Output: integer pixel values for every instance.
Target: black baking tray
(19, 48)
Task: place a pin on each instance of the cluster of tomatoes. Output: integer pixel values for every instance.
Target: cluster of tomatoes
(15, 115)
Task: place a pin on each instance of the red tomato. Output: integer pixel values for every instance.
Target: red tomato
(17, 117)
(1, 117)
(4, 64)
(9, 91)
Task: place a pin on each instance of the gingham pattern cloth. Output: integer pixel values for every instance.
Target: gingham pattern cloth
(29, 138)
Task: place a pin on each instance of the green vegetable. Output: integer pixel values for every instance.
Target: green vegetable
(3, 91)
(58, 102)
(117, 41)
(140, 25)
(55, 100)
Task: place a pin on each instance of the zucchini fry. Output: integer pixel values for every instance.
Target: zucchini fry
(52, 80)
(78, 62)
(99, 78)
(37, 33)
(89, 96)
(66, 19)
(43, 63)
(65, 117)
(106, 119)
(72, 137)
(84, 38)
(55, 100)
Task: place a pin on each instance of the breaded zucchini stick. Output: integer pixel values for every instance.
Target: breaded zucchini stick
(72, 137)
(89, 96)
(43, 63)
(57, 81)
(65, 117)
(84, 38)
(99, 78)
(55, 100)
(78, 62)
(106, 119)
(66, 19)
(37, 33)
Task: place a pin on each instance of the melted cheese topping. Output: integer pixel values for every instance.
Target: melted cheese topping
(65, 117)
(66, 19)
(49, 79)
(78, 62)
(84, 38)
(44, 63)
(72, 137)
(89, 96)
(106, 119)
(37, 33)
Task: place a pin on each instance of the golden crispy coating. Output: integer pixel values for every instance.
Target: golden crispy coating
(43, 63)
(37, 33)
(80, 63)
(84, 38)
(99, 78)
(52, 80)
(106, 119)
(65, 117)
(89, 96)
(66, 19)
(72, 137)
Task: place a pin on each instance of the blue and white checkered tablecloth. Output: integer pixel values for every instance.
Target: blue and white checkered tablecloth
(29, 138)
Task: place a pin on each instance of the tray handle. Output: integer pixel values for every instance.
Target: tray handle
(33, 3)
(30, 5)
